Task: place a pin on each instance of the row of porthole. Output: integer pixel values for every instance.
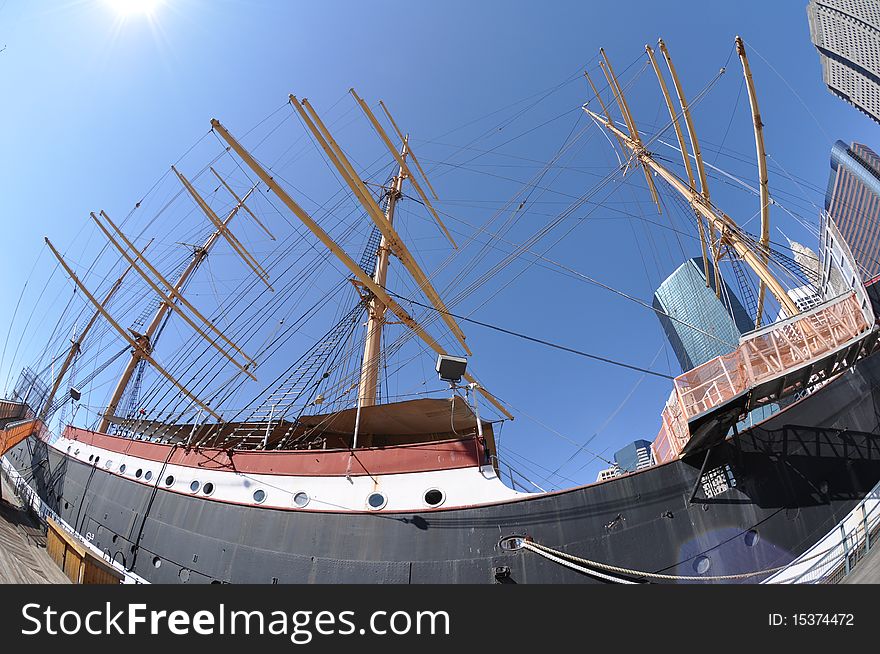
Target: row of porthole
(93, 458)
(376, 501)
(433, 496)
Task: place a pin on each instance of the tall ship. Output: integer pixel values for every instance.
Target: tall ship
(254, 433)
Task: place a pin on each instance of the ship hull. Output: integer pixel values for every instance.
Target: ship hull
(755, 502)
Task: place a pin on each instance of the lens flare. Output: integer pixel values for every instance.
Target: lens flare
(127, 8)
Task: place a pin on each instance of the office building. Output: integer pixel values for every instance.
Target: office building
(847, 35)
(699, 325)
(853, 201)
(635, 456)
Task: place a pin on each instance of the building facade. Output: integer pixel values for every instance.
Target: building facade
(698, 324)
(847, 35)
(635, 456)
(608, 473)
(853, 201)
(809, 295)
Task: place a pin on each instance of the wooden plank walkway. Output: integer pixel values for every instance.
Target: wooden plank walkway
(23, 556)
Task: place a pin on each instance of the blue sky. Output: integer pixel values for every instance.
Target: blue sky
(96, 108)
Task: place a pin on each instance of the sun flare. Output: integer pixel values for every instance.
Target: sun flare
(131, 8)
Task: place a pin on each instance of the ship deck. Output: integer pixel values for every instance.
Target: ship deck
(23, 556)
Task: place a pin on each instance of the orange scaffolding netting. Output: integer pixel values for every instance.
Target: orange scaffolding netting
(760, 357)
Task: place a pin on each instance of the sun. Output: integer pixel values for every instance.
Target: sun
(131, 8)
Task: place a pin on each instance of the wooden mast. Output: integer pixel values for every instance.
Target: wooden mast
(136, 344)
(715, 243)
(412, 155)
(146, 338)
(169, 299)
(601, 103)
(398, 247)
(237, 245)
(402, 162)
(173, 291)
(369, 383)
(243, 205)
(762, 171)
(341, 254)
(716, 218)
(76, 344)
(673, 115)
(617, 92)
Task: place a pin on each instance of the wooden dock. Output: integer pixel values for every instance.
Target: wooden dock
(867, 571)
(23, 555)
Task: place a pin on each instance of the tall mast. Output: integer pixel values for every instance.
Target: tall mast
(714, 242)
(135, 344)
(762, 170)
(368, 387)
(673, 116)
(76, 345)
(731, 233)
(145, 340)
(617, 92)
(341, 254)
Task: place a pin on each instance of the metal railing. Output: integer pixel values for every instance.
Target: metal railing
(844, 546)
(765, 355)
(34, 503)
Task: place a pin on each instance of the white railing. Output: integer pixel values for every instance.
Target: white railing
(32, 499)
(834, 556)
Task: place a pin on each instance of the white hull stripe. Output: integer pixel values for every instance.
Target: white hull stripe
(417, 491)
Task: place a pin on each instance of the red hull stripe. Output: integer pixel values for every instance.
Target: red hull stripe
(422, 457)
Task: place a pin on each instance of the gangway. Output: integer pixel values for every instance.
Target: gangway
(769, 364)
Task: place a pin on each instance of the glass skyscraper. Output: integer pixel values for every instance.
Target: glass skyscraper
(699, 325)
(635, 456)
(847, 35)
(853, 201)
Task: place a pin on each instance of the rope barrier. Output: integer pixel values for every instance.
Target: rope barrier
(571, 561)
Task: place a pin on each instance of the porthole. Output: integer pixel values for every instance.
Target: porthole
(108, 465)
(208, 488)
(139, 473)
(301, 499)
(91, 456)
(194, 487)
(376, 501)
(69, 447)
(97, 458)
(434, 497)
(702, 564)
(157, 562)
(183, 575)
(148, 475)
(169, 480)
(76, 453)
(751, 538)
(122, 469)
(259, 496)
(511, 543)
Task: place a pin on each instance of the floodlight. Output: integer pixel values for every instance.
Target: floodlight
(451, 369)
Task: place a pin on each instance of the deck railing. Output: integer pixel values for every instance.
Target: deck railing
(761, 356)
(835, 555)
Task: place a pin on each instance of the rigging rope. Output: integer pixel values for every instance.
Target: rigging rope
(536, 340)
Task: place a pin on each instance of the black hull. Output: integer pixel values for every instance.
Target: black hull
(796, 476)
